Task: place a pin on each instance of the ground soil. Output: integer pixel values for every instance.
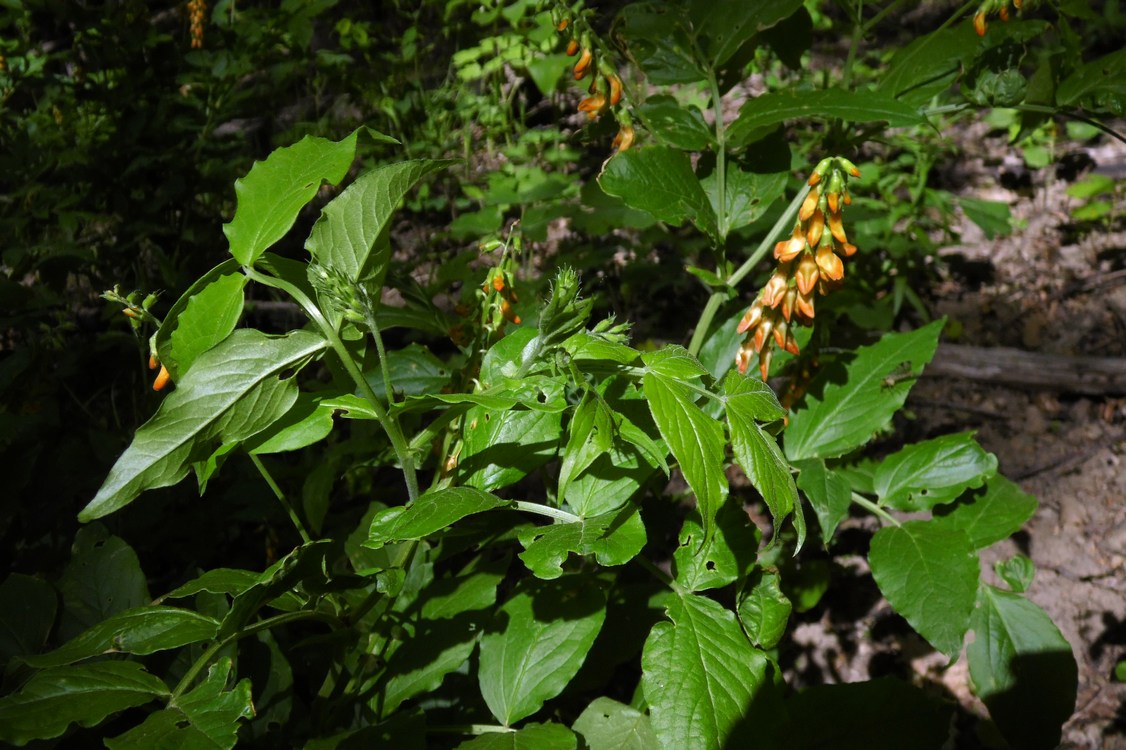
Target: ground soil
(1056, 287)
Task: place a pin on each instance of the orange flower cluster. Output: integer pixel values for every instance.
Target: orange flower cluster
(988, 7)
(605, 90)
(809, 263)
(197, 13)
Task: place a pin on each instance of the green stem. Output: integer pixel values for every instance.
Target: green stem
(390, 425)
(717, 298)
(857, 35)
(547, 510)
(659, 574)
(205, 658)
(373, 326)
(864, 502)
(281, 498)
(720, 159)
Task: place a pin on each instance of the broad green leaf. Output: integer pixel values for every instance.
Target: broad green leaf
(928, 65)
(1099, 85)
(881, 714)
(502, 447)
(446, 598)
(747, 195)
(700, 675)
(585, 346)
(694, 438)
(1022, 667)
(206, 718)
(658, 40)
(993, 217)
(144, 630)
(275, 585)
(844, 408)
(430, 513)
(606, 724)
(233, 391)
(433, 650)
(27, 612)
(770, 109)
(764, 610)
(308, 421)
(660, 180)
(757, 453)
(86, 694)
(829, 494)
(346, 232)
(203, 316)
(610, 481)
(275, 190)
(930, 575)
(414, 371)
(729, 554)
(528, 737)
(537, 643)
(725, 27)
(678, 125)
(104, 577)
(613, 538)
(590, 434)
(217, 581)
(933, 472)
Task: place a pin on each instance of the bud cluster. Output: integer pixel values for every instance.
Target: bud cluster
(197, 13)
(989, 7)
(605, 90)
(809, 263)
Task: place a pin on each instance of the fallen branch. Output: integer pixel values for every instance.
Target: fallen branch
(1092, 376)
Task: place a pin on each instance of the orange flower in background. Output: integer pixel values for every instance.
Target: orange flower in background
(809, 263)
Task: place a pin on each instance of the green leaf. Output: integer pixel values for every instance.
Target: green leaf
(678, 125)
(928, 65)
(216, 581)
(728, 26)
(694, 438)
(770, 109)
(346, 232)
(414, 371)
(1018, 571)
(27, 612)
(829, 494)
(933, 472)
(203, 316)
(757, 453)
(606, 724)
(233, 391)
(993, 217)
(54, 699)
(590, 434)
(271, 196)
(930, 575)
(660, 180)
(764, 610)
(104, 577)
(537, 643)
(613, 538)
(529, 737)
(748, 195)
(144, 630)
(656, 34)
(207, 717)
(434, 649)
(844, 409)
(1099, 85)
(308, 421)
(428, 514)
(698, 566)
(881, 714)
(277, 583)
(1022, 668)
(446, 598)
(700, 675)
